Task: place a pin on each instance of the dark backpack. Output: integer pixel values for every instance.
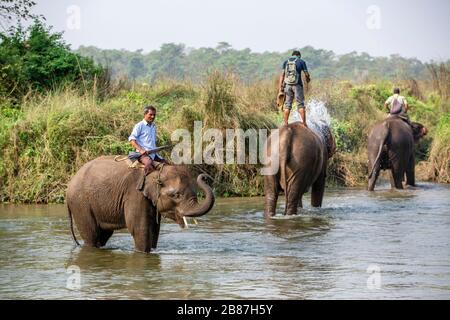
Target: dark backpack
(290, 72)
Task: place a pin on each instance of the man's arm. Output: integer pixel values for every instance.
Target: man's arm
(280, 82)
(307, 76)
(132, 138)
(137, 146)
(305, 71)
(387, 104)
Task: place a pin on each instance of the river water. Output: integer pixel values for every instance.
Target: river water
(360, 245)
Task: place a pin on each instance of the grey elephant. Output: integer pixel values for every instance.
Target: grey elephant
(106, 195)
(391, 147)
(303, 158)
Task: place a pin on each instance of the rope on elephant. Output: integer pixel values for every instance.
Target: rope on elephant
(158, 183)
(118, 158)
(131, 164)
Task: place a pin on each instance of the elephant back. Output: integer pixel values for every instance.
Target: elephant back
(101, 175)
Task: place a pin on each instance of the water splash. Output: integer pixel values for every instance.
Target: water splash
(317, 117)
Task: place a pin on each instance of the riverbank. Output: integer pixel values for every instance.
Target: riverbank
(46, 139)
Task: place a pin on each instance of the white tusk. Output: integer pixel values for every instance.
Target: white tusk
(195, 221)
(185, 223)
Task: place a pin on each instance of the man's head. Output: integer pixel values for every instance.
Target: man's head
(296, 53)
(396, 91)
(149, 113)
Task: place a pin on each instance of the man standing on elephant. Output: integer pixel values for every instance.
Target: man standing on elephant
(291, 84)
(143, 139)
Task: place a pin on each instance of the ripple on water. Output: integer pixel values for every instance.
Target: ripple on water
(235, 253)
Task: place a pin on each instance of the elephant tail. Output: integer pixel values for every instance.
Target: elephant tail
(71, 227)
(284, 158)
(383, 137)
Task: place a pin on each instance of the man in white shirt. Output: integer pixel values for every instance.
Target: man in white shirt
(143, 139)
(397, 105)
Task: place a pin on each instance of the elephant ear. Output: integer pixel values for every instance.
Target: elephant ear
(418, 130)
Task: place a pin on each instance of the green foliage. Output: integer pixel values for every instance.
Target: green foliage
(39, 60)
(50, 136)
(346, 135)
(439, 159)
(175, 61)
(16, 9)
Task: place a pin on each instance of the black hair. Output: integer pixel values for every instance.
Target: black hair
(397, 91)
(148, 108)
(296, 53)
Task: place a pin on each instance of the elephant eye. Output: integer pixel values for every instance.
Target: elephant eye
(175, 195)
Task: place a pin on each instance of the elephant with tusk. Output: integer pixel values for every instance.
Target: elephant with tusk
(106, 195)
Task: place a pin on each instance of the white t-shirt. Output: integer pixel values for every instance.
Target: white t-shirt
(400, 98)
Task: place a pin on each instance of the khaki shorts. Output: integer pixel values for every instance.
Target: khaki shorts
(294, 91)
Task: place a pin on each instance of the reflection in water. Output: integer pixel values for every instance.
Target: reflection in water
(298, 226)
(92, 259)
(235, 253)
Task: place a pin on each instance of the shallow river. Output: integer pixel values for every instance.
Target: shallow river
(360, 245)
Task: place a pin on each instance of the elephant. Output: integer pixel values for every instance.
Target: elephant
(303, 157)
(106, 195)
(391, 146)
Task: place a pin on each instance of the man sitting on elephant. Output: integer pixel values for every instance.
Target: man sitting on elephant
(397, 106)
(143, 139)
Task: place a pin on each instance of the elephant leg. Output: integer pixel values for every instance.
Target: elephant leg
(294, 193)
(397, 169)
(86, 225)
(104, 236)
(397, 177)
(140, 228)
(318, 189)
(142, 239)
(271, 192)
(410, 172)
(156, 225)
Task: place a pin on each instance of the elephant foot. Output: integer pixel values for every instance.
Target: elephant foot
(291, 212)
(269, 214)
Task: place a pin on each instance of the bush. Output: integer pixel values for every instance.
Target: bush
(37, 59)
(439, 161)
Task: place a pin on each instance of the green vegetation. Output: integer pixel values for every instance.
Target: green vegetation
(36, 60)
(52, 135)
(59, 110)
(178, 62)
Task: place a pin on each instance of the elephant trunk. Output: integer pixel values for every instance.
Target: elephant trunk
(203, 208)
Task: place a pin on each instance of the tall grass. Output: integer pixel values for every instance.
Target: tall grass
(51, 136)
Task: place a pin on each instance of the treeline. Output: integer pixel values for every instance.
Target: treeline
(176, 61)
(37, 60)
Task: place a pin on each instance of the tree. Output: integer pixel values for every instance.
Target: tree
(37, 59)
(136, 67)
(16, 10)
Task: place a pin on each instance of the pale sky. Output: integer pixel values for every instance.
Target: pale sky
(411, 28)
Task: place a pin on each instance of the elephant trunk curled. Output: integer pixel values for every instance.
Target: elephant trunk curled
(201, 208)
